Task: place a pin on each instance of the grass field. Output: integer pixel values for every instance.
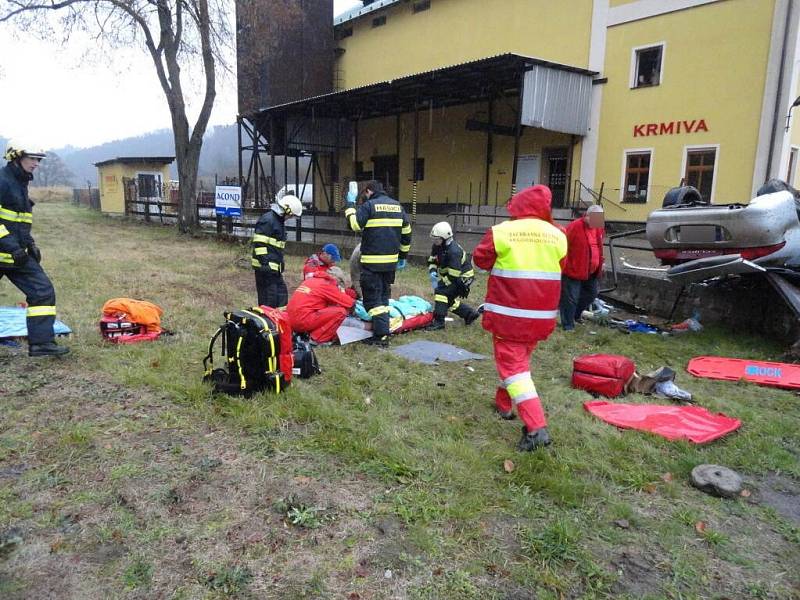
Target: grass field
(121, 477)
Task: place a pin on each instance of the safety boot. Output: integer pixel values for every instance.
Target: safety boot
(381, 342)
(48, 349)
(532, 440)
(436, 324)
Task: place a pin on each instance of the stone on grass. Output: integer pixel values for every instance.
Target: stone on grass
(717, 480)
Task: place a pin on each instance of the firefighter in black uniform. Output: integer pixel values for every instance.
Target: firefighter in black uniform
(451, 274)
(385, 242)
(269, 241)
(19, 255)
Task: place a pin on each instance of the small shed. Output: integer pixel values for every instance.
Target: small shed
(150, 174)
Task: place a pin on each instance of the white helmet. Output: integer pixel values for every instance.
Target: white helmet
(291, 205)
(442, 230)
(20, 148)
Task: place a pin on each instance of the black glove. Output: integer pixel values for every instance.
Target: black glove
(35, 253)
(20, 257)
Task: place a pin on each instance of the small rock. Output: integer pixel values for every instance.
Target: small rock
(387, 574)
(9, 540)
(717, 480)
(622, 523)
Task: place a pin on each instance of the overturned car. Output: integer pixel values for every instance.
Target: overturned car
(701, 241)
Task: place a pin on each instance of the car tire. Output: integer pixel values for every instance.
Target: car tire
(683, 196)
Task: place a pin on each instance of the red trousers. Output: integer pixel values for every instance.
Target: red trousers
(321, 324)
(516, 385)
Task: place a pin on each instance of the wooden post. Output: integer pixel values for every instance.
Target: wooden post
(488, 150)
(517, 134)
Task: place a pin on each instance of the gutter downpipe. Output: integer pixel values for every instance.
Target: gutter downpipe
(779, 90)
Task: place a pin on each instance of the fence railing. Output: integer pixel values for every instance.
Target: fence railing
(323, 227)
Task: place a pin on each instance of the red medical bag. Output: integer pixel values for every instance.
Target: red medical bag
(602, 374)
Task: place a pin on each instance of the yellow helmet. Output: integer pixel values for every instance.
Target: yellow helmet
(442, 230)
(20, 148)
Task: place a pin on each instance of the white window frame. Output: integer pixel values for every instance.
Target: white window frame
(634, 63)
(792, 177)
(715, 148)
(625, 154)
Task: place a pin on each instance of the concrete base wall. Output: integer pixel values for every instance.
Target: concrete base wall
(747, 304)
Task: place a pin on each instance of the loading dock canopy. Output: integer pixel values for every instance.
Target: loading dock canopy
(549, 90)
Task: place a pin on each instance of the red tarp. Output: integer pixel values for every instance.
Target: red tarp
(693, 423)
(780, 375)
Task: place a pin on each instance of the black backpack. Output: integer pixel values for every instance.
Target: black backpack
(257, 347)
(305, 361)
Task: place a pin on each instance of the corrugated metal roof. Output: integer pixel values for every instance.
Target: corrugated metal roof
(528, 61)
(136, 159)
(354, 13)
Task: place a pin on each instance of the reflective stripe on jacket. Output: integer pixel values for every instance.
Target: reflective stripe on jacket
(16, 213)
(451, 262)
(269, 241)
(524, 257)
(386, 231)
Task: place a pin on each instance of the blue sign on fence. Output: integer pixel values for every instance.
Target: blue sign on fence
(228, 201)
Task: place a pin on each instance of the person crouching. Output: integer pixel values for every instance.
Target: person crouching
(320, 304)
(451, 274)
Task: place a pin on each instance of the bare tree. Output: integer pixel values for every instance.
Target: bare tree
(174, 32)
(52, 171)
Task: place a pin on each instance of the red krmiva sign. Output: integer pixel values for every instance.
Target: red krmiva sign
(669, 128)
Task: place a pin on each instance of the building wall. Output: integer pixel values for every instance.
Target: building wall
(723, 86)
(110, 178)
(454, 158)
(457, 31)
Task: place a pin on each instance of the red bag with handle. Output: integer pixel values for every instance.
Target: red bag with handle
(602, 374)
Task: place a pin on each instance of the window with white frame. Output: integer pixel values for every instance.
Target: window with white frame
(700, 166)
(637, 176)
(791, 172)
(647, 66)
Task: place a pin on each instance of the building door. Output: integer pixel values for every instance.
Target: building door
(557, 176)
(528, 167)
(386, 170)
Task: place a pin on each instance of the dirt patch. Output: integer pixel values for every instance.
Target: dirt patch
(781, 494)
(637, 575)
(118, 492)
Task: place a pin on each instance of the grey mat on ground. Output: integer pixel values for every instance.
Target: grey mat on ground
(432, 352)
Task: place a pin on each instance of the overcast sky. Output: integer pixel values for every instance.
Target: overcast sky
(56, 95)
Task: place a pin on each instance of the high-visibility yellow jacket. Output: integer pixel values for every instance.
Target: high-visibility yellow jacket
(524, 258)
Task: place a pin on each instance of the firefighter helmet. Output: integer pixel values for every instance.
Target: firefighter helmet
(291, 205)
(20, 148)
(442, 230)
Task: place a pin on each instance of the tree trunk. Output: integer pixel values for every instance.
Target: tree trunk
(187, 158)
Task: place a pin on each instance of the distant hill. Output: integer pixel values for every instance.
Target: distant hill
(219, 156)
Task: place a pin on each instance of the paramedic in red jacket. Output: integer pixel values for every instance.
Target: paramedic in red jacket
(524, 257)
(319, 305)
(583, 266)
(322, 260)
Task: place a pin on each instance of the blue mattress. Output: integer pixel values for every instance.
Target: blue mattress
(12, 323)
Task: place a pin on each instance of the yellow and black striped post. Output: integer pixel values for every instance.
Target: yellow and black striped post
(414, 202)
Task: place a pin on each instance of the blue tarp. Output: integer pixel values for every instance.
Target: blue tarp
(12, 323)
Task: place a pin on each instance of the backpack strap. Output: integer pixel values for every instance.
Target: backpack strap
(208, 361)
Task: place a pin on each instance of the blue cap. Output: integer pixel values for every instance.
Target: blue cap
(333, 251)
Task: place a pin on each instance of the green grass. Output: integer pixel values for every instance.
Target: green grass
(423, 440)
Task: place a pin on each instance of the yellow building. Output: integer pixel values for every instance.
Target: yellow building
(464, 101)
(147, 177)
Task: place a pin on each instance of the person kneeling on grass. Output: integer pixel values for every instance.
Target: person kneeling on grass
(321, 261)
(451, 274)
(320, 304)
